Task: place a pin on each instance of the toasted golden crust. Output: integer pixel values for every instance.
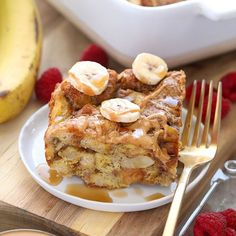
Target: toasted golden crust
(128, 80)
(110, 154)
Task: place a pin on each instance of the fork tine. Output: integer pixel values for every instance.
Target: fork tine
(208, 116)
(188, 120)
(199, 116)
(217, 118)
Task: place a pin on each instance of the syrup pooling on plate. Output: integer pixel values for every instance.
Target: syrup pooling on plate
(49, 175)
(89, 193)
(138, 191)
(154, 196)
(119, 193)
(102, 195)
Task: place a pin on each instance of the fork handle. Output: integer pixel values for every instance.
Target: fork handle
(176, 203)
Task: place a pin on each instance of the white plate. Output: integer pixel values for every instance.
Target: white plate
(31, 148)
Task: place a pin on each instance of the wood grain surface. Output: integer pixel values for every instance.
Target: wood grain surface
(63, 44)
(12, 217)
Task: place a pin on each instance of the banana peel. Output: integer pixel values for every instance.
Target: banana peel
(20, 51)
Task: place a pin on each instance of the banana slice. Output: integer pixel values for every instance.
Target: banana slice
(120, 110)
(89, 77)
(149, 69)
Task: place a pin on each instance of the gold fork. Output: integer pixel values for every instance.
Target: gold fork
(198, 150)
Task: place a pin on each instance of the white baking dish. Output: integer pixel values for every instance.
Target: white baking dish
(180, 33)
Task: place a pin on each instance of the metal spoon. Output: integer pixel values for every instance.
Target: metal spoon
(219, 176)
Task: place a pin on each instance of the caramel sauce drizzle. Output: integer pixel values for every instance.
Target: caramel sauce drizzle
(89, 193)
(49, 175)
(154, 196)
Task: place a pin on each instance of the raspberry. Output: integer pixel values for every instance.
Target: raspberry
(209, 223)
(189, 90)
(230, 215)
(226, 106)
(230, 232)
(46, 84)
(95, 53)
(229, 86)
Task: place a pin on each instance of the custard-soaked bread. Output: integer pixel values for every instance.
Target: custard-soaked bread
(81, 141)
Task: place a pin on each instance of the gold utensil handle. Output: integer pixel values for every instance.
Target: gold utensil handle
(177, 202)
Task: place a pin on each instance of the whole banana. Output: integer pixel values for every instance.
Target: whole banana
(20, 50)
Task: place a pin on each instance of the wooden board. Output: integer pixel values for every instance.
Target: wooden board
(15, 218)
(63, 44)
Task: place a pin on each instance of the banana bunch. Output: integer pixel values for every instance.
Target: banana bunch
(20, 50)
